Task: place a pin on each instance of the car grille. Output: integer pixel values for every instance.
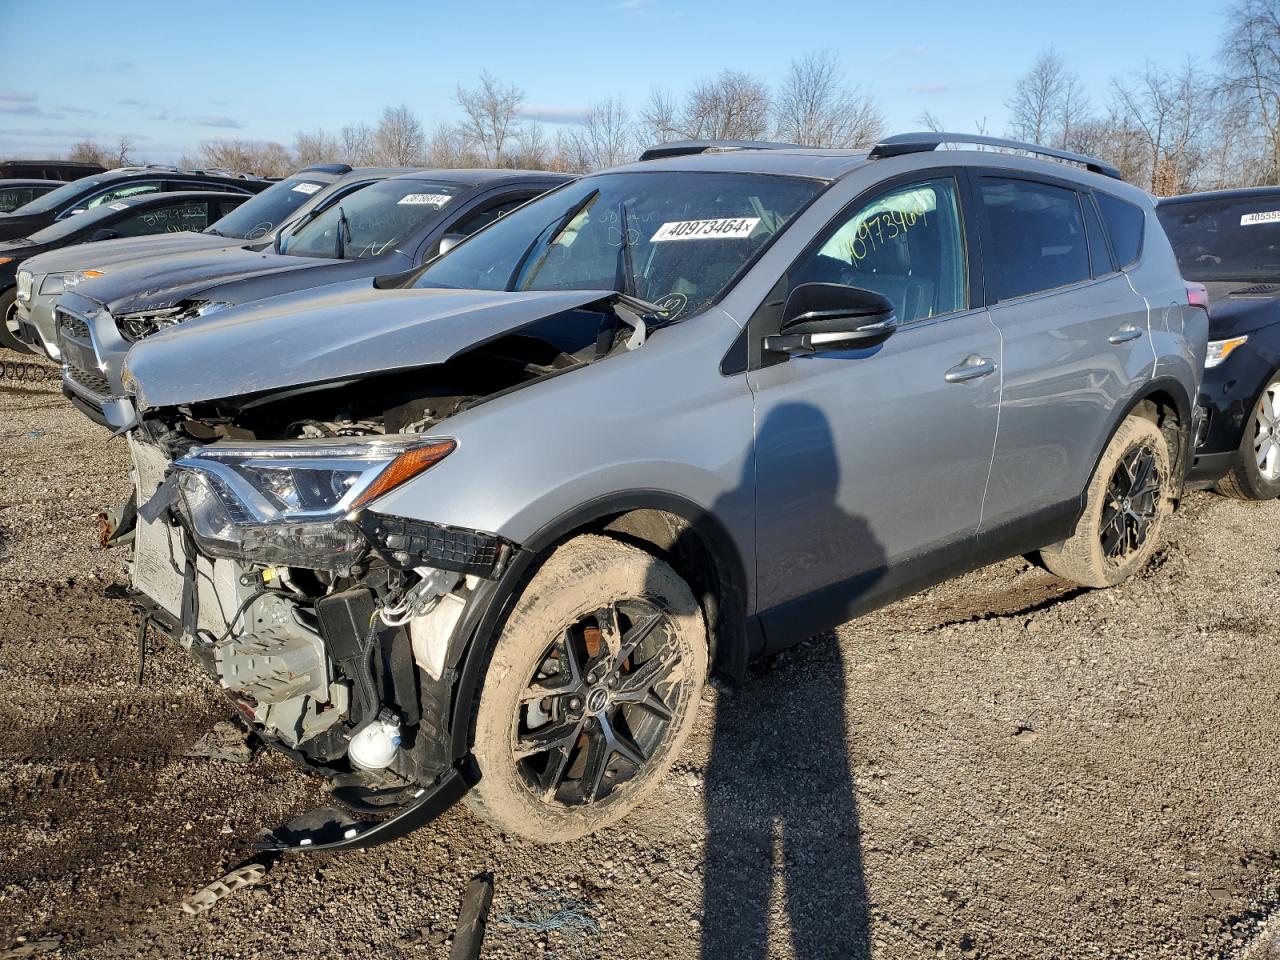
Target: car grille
(79, 359)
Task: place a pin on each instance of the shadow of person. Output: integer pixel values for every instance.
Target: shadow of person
(784, 859)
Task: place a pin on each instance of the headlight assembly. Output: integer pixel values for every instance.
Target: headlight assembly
(288, 502)
(1219, 350)
(56, 283)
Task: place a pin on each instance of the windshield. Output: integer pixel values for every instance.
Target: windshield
(257, 217)
(1232, 240)
(373, 220)
(62, 229)
(55, 199)
(676, 239)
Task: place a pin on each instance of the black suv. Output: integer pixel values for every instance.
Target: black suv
(63, 170)
(89, 192)
(1229, 240)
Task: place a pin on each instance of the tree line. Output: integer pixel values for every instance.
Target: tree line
(1169, 129)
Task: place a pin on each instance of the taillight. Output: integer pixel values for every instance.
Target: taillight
(1197, 295)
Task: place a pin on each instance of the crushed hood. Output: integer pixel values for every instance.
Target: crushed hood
(339, 332)
(154, 284)
(105, 253)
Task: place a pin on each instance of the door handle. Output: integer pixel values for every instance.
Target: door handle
(1125, 334)
(972, 367)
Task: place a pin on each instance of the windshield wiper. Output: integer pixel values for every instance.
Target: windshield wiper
(344, 233)
(628, 265)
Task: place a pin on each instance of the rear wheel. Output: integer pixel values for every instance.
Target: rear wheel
(9, 322)
(1126, 502)
(590, 694)
(1255, 468)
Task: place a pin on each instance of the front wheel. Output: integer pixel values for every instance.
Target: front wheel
(1127, 499)
(1255, 468)
(590, 694)
(9, 322)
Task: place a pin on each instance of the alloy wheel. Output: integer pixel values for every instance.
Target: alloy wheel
(1133, 502)
(599, 705)
(1266, 432)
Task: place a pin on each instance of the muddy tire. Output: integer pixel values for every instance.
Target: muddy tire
(1127, 500)
(8, 322)
(590, 694)
(1255, 468)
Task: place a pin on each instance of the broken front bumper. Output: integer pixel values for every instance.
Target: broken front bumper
(92, 353)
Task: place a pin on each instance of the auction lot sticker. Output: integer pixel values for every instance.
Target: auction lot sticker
(435, 199)
(1266, 216)
(307, 188)
(731, 228)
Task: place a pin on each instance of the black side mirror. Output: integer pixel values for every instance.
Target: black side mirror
(831, 316)
(104, 233)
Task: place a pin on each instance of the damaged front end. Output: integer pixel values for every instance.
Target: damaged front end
(336, 629)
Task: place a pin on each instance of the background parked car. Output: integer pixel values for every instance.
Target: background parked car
(15, 193)
(89, 192)
(1229, 240)
(387, 228)
(178, 211)
(64, 171)
(289, 199)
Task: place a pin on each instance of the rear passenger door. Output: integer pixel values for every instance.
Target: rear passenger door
(1075, 343)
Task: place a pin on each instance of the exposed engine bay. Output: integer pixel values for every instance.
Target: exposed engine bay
(334, 637)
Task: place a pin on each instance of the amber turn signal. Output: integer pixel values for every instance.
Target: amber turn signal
(405, 467)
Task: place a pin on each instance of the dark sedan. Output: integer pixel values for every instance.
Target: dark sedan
(386, 228)
(89, 192)
(1229, 241)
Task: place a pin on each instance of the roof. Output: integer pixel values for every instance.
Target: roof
(28, 182)
(1239, 193)
(160, 168)
(813, 162)
(483, 177)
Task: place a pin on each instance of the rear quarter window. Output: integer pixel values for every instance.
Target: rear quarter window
(1125, 223)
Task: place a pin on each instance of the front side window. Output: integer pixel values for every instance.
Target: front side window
(674, 238)
(124, 190)
(1225, 240)
(175, 218)
(1036, 237)
(906, 244)
(57, 199)
(373, 220)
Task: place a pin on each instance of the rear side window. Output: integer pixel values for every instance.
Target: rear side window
(1036, 237)
(1124, 223)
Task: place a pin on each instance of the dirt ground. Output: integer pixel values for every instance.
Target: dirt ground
(1002, 767)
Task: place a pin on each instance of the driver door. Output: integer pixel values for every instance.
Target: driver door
(872, 463)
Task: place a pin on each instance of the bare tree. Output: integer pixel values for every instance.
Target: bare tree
(356, 144)
(86, 151)
(1251, 52)
(931, 121)
(1167, 111)
(730, 106)
(318, 146)
(492, 110)
(399, 140)
(265, 158)
(1036, 106)
(606, 138)
(448, 146)
(816, 107)
(124, 152)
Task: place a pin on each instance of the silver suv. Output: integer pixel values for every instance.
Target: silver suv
(486, 529)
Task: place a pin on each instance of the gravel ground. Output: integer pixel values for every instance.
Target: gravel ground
(1001, 767)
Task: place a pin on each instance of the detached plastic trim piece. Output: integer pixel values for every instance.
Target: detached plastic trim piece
(338, 831)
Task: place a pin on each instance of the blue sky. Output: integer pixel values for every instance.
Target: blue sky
(171, 75)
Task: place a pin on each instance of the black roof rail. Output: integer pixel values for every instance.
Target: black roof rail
(341, 169)
(905, 143)
(684, 148)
